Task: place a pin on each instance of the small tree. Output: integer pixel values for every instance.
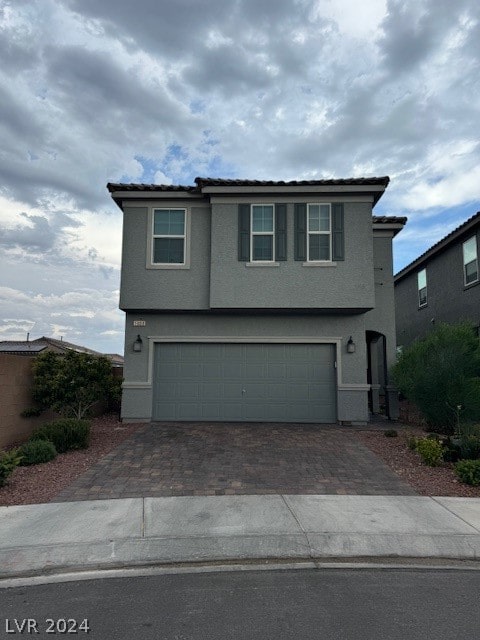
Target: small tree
(71, 384)
(441, 375)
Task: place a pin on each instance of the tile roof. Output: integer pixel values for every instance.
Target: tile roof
(389, 220)
(220, 182)
(131, 186)
(439, 246)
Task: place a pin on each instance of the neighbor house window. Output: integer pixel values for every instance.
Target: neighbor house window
(470, 260)
(319, 233)
(422, 287)
(168, 236)
(262, 233)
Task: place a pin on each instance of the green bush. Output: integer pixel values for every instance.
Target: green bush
(66, 434)
(469, 447)
(37, 452)
(8, 461)
(441, 376)
(468, 471)
(430, 450)
(390, 433)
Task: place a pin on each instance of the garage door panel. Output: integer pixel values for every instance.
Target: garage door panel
(281, 382)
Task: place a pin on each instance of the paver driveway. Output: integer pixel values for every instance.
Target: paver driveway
(165, 459)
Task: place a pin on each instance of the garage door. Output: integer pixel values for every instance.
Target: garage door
(244, 382)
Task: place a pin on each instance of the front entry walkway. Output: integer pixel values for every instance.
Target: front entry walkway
(187, 459)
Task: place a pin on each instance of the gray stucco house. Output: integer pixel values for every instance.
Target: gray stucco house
(441, 285)
(257, 301)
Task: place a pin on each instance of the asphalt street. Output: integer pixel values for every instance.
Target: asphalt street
(321, 604)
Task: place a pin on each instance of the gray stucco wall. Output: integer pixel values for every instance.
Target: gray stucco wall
(137, 396)
(143, 288)
(448, 300)
(348, 284)
(382, 317)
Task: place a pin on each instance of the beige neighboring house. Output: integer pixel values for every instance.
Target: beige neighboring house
(16, 380)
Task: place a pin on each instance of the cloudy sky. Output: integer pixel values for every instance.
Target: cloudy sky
(162, 91)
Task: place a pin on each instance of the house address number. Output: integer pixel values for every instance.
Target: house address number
(139, 323)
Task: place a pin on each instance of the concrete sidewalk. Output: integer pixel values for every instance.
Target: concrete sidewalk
(142, 531)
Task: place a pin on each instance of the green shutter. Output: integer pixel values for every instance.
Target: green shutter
(338, 240)
(301, 231)
(280, 232)
(244, 232)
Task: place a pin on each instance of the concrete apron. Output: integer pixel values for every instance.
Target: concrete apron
(142, 531)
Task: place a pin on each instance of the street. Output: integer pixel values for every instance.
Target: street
(326, 604)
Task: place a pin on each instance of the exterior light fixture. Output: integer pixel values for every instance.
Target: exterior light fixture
(351, 345)
(138, 344)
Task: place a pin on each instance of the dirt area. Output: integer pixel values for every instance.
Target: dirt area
(41, 483)
(427, 481)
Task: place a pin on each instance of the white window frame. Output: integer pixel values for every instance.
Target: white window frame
(262, 233)
(319, 233)
(152, 236)
(422, 304)
(467, 284)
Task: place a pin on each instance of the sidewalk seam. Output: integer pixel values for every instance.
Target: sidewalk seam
(455, 514)
(143, 517)
(305, 534)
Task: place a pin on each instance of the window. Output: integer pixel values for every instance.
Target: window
(422, 287)
(319, 232)
(168, 236)
(263, 232)
(470, 261)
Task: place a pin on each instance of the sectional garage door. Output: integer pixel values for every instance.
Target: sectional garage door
(244, 382)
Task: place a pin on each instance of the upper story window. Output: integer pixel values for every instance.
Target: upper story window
(319, 231)
(168, 246)
(470, 261)
(422, 287)
(262, 233)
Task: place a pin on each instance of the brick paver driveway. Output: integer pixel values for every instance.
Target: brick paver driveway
(166, 459)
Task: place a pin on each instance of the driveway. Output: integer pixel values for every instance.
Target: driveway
(166, 459)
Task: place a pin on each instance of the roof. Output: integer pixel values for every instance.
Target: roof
(378, 185)
(117, 360)
(389, 220)
(39, 344)
(439, 246)
(22, 347)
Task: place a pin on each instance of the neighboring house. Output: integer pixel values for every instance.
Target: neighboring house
(257, 301)
(442, 285)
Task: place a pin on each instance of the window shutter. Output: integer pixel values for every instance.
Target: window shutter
(301, 231)
(280, 232)
(338, 240)
(244, 232)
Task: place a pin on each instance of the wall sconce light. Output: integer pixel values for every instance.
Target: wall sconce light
(138, 344)
(351, 345)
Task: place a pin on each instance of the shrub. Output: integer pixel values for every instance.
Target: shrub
(390, 433)
(8, 461)
(71, 384)
(31, 413)
(451, 451)
(441, 376)
(37, 452)
(469, 447)
(468, 471)
(412, 442)
(66, 434)
(430, 450)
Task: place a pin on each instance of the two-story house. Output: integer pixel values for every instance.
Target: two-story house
(441, 285)
(257, 301)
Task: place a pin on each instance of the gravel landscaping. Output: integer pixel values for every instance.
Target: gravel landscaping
(41, 483)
